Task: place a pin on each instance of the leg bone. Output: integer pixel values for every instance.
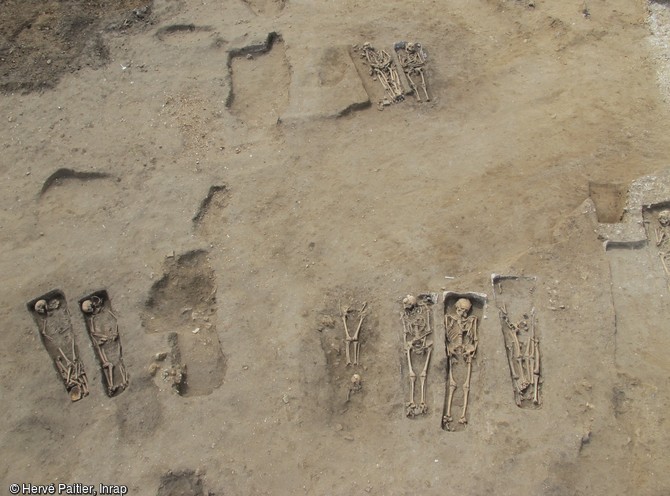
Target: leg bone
(466, 393)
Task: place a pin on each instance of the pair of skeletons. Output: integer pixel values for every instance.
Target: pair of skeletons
(92, 307)
(461, 343)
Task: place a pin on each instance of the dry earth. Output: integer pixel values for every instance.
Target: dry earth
(220, 167)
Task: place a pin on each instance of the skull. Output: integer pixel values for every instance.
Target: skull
(41, 306)
(664, 218)
(356, 381)
(409, 302)
(463, 306)
(87, 306)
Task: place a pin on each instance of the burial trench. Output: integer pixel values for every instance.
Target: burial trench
(609, 199)
(260, 79)
(347, 369)
(182, 306)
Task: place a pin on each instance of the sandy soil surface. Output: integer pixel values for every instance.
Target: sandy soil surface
(222, 171)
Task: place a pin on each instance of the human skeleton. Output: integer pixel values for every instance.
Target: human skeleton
(384, 70)
(418, 343)
(71, 369)
(523, 355)
(353, 344)
(412, 59)
(101, 339)
(462, 341)
(663, 239)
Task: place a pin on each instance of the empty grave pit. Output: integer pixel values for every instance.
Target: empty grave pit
(610, 201)
(260, 79)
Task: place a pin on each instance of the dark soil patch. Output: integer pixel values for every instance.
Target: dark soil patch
(40, 40)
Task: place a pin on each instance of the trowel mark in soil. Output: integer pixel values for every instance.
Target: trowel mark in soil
(463, 314)
(63, 175)
(260, 81)
(185, 34)
(514, 298)
(52, 317)
(73, 194)
(208, 218)
(182, 483)
(41, 41)
(183, 301)
(103, 330)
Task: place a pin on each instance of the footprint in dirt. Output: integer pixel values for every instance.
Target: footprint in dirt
(182, 304)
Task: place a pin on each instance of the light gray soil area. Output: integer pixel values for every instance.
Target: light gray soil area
(224, 171)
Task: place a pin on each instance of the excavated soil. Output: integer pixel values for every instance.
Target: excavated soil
(226, 173)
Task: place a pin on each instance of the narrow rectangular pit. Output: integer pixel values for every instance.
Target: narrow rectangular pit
(518, 322)
(462, 314)
(418, 339)
(657, 223)
(50, 313)
(103, 331)
(610, 201)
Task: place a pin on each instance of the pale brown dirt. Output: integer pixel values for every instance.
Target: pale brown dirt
(530, 106)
